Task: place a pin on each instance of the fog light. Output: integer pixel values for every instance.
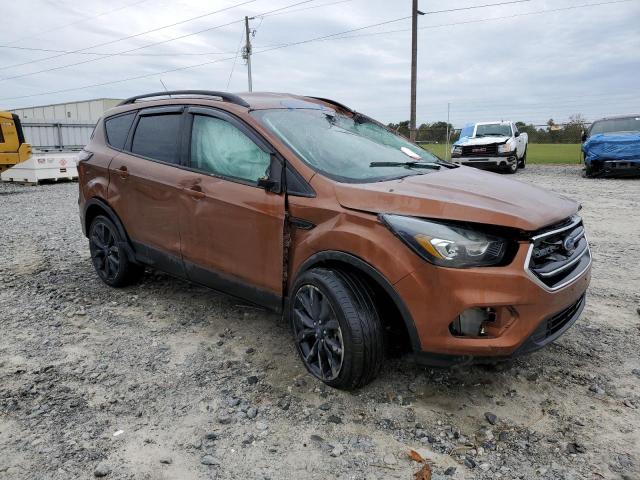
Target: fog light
(472, 322)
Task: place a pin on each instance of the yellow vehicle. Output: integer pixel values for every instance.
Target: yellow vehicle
(13, 148)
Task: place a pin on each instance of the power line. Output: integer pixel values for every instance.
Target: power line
(137, 34)
(265, 14)
(504, 17)
(82, 20)
(235, 59)
(147, 45)
(310, 8)
(301, 42)
(102, 54)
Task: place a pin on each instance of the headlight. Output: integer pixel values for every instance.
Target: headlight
(456, 150)
(506, 148)
(447, 245)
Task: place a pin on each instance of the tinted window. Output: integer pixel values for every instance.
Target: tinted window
(222, 149)
(630, 124)
(489, 129)
(157, 137)
(117, 129)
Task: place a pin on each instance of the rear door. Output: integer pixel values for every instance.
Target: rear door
(145, 186)
(231, 227)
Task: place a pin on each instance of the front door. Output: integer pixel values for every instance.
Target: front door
(231, 228)
(145, 187)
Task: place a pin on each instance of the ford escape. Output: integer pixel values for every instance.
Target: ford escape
(366, 243)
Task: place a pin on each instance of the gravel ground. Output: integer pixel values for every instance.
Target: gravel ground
(170, 380)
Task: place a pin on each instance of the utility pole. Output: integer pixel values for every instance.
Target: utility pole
(247, 50)
(447, 152)
(414, 66)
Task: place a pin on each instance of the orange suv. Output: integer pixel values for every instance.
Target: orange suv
(366, 243)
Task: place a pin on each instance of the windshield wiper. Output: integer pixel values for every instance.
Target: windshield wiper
(432, 166)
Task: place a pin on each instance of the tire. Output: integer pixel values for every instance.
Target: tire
(512, 168)
(335, 308)
(522, 163)
(109, 259)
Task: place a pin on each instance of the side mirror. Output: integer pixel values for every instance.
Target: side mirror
(272, 179)
(517, 134)
(269, 185)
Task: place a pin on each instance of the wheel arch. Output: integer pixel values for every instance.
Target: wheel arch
(338, 259)
(96, 206)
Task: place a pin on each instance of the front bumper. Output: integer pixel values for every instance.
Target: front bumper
(486, 162)
(618, 168)
(523, 307)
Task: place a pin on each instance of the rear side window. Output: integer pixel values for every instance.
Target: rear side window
(117, 129)
(157, 137)
(1, 136)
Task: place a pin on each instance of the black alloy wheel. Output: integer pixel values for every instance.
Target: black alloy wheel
(109, 260)
(104, 252)
(317, 333)
(337, 330)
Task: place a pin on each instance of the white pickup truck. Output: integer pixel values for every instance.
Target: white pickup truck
(491, 146)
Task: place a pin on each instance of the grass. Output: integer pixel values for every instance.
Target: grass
(537, 153)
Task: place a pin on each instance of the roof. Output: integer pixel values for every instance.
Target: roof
(251, 100)
(617, 117)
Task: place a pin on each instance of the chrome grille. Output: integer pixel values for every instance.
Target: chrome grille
(479, 150)
(559, 254)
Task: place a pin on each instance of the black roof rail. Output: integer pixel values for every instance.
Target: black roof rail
(228, 97)
(333, 102)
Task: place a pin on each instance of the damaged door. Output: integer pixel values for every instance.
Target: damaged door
(145, 179)
(232, 223)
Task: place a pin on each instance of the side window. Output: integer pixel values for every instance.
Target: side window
(117, 129)
(157, 137)
(514, 128)
(1, 136)
(220, 148)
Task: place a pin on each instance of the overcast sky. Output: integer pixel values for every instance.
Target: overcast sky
(500, 62)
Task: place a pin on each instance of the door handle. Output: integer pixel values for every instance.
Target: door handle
(195, 191)
(123, 171)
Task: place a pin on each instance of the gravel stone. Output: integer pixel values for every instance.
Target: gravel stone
(491, 418)
(102, 470)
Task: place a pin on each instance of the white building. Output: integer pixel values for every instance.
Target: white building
(62, 125)
(86, 111)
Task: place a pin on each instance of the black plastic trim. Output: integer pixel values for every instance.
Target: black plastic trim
(301, 223)
(159, 259)
(233, 286)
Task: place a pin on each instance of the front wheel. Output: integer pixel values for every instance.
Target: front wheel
(336, 327)
(512, 167)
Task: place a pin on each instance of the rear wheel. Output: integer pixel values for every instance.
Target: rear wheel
(109, 260)
(336, 327)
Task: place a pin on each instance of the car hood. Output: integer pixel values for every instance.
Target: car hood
(481, 140)
(463, 194)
